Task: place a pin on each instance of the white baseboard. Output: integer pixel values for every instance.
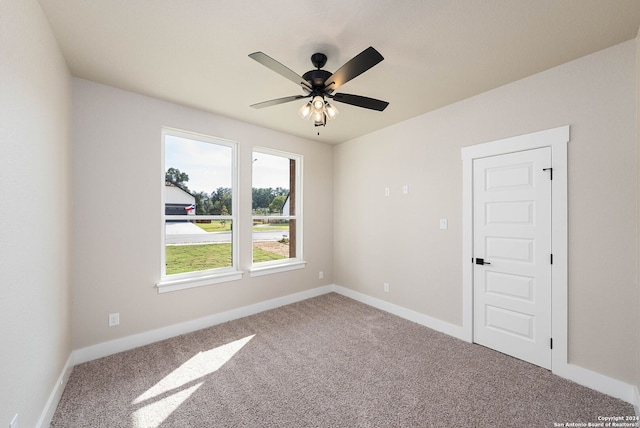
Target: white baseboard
(125, 343)
(422, 319)
(54, 398)
(582, 376)
(577, 374)
(599, 382)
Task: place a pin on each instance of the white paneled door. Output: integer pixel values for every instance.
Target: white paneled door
(512, 254)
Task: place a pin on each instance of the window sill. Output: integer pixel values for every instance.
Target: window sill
(268, 269)
(166, 285)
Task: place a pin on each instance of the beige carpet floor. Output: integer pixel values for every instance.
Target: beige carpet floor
(325, 362)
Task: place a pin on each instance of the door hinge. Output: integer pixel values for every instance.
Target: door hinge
(551, 342)
(550, 172)
(551, 258)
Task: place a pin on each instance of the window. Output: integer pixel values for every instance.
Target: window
(277, 216)
(199, 211)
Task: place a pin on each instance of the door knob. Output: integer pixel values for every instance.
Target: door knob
(480, 261)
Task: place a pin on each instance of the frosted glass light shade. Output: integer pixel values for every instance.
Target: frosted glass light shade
(331, 111)
(305, 111)
(318, 103)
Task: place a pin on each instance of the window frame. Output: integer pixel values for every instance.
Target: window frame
(288, 264)
(179, 281)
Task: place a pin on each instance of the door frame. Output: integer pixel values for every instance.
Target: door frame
(556, 139)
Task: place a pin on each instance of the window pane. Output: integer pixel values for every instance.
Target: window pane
(273, 197)
(272, 240)
(203, 171)
(198, 182)
(198, 245)
(271, 184)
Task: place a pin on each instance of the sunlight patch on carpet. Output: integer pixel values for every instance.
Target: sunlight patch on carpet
(166, 396)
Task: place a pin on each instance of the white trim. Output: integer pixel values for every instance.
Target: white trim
(467, 250)
(590, 379)
(168, 284)
(298, 263)
(557, 139)
(261, 269)
(599, 382)
(129, 342)
(54, 398)
(274, 217)
(533, 140)
(178, 281)
(402, 312)
(582, 376)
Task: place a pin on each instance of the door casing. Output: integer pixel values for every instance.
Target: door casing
(556, 139)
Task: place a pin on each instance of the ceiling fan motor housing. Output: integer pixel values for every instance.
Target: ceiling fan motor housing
(316, 78)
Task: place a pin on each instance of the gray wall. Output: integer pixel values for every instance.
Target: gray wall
(397, 239)
(117, 253)
(35, 213)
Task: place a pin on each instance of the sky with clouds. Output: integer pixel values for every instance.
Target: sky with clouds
(209, 165)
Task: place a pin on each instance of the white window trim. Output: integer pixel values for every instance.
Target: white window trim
(268, 268)
(186, 280)
(285, 265)
(167, 285)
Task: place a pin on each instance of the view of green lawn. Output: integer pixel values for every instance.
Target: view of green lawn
(271, 226)
(190, 258)
(215, 226)
(219, 226)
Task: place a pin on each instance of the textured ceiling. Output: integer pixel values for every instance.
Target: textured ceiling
(195, 52)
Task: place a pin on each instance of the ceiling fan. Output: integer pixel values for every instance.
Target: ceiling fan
(319, 84)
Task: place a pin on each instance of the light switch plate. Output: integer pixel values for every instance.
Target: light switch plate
(444, 224)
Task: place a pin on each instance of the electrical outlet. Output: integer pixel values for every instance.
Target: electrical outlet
(114, 319)
(387, 191)
(320, 275)
(444, 224)
(386, 287)
(14, 422)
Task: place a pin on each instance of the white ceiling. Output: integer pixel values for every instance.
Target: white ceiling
(195, 52)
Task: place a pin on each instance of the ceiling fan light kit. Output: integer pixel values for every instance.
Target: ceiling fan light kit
(319, 109)
(318, 84)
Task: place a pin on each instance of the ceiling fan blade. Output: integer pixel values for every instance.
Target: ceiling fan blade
(360, 101)
(353, 68)
(283, 71)
(278, 101)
